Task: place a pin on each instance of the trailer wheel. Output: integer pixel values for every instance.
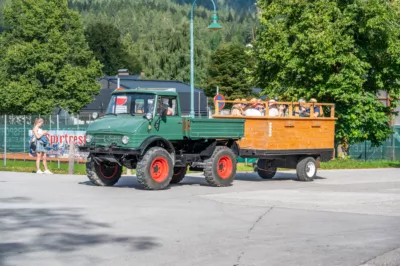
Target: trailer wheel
(264, 171)
(154, 171)
(105, 174)
(220, 169)
(179, 174)
(306, 169)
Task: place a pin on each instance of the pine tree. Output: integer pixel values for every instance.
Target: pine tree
(226, 70)
(105, 42)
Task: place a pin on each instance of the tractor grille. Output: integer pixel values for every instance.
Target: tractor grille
(107, 139)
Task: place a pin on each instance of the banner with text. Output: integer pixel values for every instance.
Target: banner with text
(60, 141)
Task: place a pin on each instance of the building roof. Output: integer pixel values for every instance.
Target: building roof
(158, 92)
(133, 82)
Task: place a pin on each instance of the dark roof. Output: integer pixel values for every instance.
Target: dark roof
(123, 77)
(165, 93)
(129, 82)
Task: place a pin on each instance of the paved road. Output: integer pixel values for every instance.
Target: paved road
(347, 217)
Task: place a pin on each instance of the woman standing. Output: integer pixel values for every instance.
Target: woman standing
(41, 142)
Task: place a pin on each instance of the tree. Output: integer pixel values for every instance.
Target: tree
(45, 61)
(227, 70)
(337, 51)
(105, 41)
(160, 31)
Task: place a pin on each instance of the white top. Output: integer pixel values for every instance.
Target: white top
(273, 112)
(252, 112)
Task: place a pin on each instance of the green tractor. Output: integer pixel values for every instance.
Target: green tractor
(144, 130)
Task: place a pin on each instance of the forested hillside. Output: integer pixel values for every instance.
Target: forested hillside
(157, 32)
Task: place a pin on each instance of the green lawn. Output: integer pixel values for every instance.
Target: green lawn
(29, 166)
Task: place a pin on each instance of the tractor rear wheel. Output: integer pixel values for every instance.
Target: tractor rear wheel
(220, 169)
(179, 174)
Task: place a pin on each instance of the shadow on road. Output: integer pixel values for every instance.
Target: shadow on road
(199, 180)
(59, 230)
(253, 177)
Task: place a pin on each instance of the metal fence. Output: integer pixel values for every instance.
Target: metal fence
(389, 150)
(15, 133)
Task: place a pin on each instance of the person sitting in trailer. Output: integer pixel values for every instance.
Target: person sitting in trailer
(301, 109)
(273, 110)
(237, 108)
(317, 111)
(260, 106)
(251, 110)
(304, 111)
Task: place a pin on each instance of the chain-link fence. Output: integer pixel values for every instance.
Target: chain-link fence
(16, 131)
(389, 150)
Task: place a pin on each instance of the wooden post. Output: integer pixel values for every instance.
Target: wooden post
(312, 110)
(333, 112)
(71, 158)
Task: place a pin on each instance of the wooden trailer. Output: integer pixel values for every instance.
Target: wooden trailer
(288, 141)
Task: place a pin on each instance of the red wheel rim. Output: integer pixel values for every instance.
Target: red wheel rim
(107, 174)
(159, 169)
(225, 167)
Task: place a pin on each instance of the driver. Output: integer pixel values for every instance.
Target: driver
(170, 111)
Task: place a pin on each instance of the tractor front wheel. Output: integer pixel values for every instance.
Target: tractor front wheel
(154, 171)
(104, 174)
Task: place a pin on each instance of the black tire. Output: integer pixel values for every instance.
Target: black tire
(264, 171)
(220, 169)
(306, 169)
(154, 171)
(105, 174)
(179, 175)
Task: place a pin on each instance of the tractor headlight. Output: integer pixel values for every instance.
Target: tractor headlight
(125, 140)
(89, 138)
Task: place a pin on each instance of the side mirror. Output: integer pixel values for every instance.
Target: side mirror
(149, 116)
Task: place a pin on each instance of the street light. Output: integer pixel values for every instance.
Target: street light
(214, 26)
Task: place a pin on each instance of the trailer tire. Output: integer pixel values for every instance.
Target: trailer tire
(154, 171)
(220, 169)
(179, 174)
(306, 169)
(264, 171)
(103, 174)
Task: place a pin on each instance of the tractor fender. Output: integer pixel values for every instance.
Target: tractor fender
(157, 141)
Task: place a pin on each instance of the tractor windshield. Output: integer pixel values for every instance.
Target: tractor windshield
(131, 104)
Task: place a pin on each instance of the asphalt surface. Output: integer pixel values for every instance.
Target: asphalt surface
(349, 217)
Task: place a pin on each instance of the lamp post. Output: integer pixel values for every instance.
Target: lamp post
(214, 26)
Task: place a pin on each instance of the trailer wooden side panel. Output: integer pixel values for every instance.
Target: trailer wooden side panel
(278, 133)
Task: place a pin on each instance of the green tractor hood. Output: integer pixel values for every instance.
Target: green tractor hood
(121, 124)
